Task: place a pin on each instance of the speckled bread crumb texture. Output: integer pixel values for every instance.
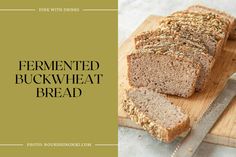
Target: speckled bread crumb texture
(151, 70)
(163, 132)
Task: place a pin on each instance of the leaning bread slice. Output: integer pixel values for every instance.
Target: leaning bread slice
(232, 20)
(152, 37)
(165, 72)
(156, 114)
(155, 41)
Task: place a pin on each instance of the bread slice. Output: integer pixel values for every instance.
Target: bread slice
(167, 72)
(154, 41)
(150, 37)
(156, 114)
(210, 28)
(231, 32)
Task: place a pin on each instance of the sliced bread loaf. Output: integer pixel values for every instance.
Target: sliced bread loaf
(156, 114)
(168, 72)
(155, 41)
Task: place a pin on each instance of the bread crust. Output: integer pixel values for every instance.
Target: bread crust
(220, 38)
(232, 35)
(231, 32)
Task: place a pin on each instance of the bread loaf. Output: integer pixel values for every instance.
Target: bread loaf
(198, 36)
(175, 59)
(156, 114)
(154, 41)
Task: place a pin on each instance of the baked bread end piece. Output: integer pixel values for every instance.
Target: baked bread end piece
(156, 114)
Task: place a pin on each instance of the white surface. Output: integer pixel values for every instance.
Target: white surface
(137, 143)
(133, 12)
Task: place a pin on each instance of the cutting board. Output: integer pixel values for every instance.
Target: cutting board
(224, 131)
